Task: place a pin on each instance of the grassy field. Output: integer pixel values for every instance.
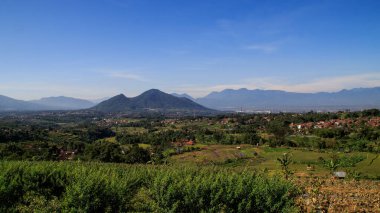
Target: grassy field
(266, 158)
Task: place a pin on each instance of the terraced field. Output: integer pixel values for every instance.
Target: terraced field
(320, 191)
(331, 195)
(266, 158)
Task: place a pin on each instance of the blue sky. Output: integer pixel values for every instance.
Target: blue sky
(100, 48)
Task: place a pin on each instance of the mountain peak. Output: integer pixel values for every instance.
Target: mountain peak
(121, 95)
(152, 99)
(153, 91)
(115, 104)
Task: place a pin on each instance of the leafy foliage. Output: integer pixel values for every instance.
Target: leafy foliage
(285, 161)
(93, 187)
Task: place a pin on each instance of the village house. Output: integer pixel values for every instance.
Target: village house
(335, 123)
(183, 142)
(67, 155)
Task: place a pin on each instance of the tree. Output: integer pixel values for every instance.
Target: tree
(371, 112)
(285, 161)
(94, 133)
(12, 151)
(137, 155)
(251, 137)
(279, 130)
(104, 151)
(333, 163)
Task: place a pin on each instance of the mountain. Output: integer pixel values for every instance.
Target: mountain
(51, 103)
(151, 100)
(184, 95)
(118, 103)
(64, 103)
(10, 104)
(98, 100)
(276, 100)
(232, 100)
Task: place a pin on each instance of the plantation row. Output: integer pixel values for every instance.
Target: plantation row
(97, 187)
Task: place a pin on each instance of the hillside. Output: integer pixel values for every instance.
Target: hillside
(276, 100)
(184, 95)
(118, 103)
(151, 100)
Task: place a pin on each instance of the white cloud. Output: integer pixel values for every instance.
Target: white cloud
(267, 48)
(327, 84)
(332, 84)
(126, 75)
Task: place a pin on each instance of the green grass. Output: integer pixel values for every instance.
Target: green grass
(144, 146)
(130, 130)
(271, 149)
(266, 158)
(110, 139)
(365, 167)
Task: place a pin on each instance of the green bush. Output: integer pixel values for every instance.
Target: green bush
(99, 187)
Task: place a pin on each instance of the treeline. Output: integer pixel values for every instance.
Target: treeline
(162, 138)
(22, 132)
(94, 187)
(98, 151)
(112, 152)
(17, 134)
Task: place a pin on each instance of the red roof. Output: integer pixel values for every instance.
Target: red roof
(190, 142)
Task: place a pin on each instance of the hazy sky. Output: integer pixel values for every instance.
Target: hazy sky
(100, 48)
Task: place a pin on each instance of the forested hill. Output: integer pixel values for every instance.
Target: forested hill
(153, 100)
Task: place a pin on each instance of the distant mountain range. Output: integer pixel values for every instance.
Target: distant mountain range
(64, 103)
(228, 100)
(152, 101)
(276, 100)
(50, 103)
(10, 104)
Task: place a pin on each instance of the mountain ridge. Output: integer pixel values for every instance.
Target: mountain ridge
(151, 100)
(183, 95)
(64, 103)
(228, 100)
(277, 100)
(11, 104)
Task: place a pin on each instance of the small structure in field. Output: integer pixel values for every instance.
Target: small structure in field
(339, 175)
(238, 147)
(310, 168)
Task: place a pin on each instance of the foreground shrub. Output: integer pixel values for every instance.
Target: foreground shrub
(96, 187)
